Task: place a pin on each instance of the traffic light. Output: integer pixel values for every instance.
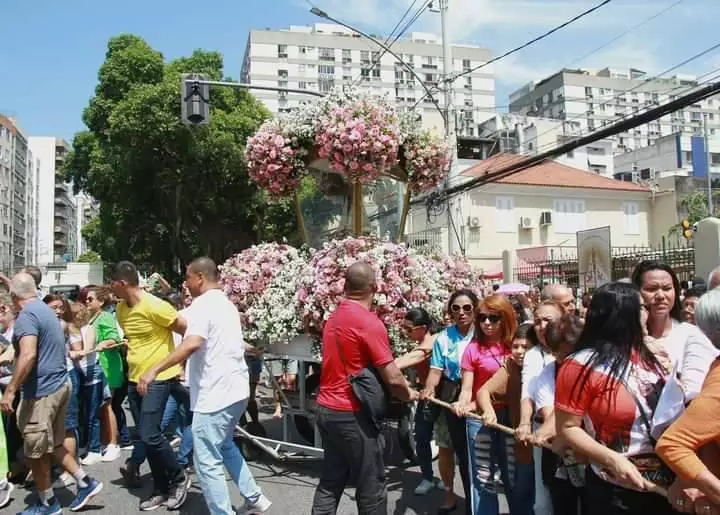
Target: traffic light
(195, 99)
(687, 229)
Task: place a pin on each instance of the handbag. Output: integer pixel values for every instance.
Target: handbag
(650, 466)
(369, 389)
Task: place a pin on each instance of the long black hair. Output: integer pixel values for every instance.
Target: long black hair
(650, 266)
(612, 332)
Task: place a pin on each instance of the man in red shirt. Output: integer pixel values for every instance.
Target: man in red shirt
(352, 444)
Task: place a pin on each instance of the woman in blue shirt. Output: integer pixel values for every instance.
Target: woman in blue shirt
(444, 382)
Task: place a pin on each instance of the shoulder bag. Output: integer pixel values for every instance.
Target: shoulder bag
(369, 389)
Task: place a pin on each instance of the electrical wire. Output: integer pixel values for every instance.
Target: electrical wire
(531, 42)
(389, 44)
(639, 85)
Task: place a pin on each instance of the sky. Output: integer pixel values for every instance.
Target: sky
(52, 51)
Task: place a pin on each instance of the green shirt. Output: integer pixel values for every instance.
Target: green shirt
(110, 360)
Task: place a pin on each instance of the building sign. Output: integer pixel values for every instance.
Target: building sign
(594, 257)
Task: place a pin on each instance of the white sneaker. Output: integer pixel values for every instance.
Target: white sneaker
(92, 458)
(424, 487)
(63, 481)
(5, 491)
(112, 452)
(260, 506)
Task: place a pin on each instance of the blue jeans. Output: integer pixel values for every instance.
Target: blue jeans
(523, 491)
(489, 451)
(214, 447)
(92, 398)
(423, 436)
(73, 410)
(148, 412)
(176, 391)
(178, 415)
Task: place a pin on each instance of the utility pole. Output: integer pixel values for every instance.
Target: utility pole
(709, 166)
(454, 243)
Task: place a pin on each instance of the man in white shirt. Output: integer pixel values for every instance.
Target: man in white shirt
(219, 389)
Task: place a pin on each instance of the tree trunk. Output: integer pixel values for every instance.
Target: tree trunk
(302, 230)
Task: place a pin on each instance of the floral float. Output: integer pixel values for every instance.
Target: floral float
(281, 292)
(360, 136)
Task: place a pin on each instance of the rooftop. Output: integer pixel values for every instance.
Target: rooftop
(549, 174)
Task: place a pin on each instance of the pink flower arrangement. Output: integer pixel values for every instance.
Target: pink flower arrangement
(427, 161)
(276, 160)
(360, 139)
(245, 276)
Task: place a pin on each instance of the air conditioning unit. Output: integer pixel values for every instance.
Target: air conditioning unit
(546, 218)
(474, 222)
(526, 222)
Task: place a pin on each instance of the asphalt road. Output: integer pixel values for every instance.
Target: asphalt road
(289, 486)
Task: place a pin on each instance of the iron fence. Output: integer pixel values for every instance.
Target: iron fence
(560, 264)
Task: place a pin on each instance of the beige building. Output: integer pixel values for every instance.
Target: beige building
(540, 207)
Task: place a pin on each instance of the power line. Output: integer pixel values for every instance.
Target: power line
(636, 121)
(412, 20)
(639, 85)
(532, 41)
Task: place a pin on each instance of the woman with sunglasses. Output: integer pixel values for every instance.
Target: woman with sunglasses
(443, 382)
(495, 325)
(417, 327)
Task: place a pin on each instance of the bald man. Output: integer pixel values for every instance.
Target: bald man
(561, 294)
(354, 338)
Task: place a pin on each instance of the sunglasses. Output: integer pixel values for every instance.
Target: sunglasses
(467, 308)
(494, 319)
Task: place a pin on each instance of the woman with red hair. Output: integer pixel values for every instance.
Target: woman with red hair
(495, 326)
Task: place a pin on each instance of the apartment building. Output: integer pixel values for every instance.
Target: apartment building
(7, 139)
(57, 219)
(596, 98)
(322, 56)
(529, 135)
(87, 208)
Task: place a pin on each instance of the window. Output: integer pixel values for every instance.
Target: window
(569, 216)
(327, 54)
(504, 218)
(631, 217)
(346, 56)
(326, 85)
(302, 85)
(364, 56)
(466, 64)
(326, 69)
(283, 74)
(282, 51)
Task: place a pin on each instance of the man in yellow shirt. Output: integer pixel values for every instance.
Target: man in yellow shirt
(148, 324)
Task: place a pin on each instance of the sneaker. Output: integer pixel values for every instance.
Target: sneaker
(85, 494)
(92, 458)
(42, 509)
(131, 474)
(155, 501)
(112, 452)
(178, 493)
(175, 442)
(63, 481)
(424, 487)
(127, 446)
(260, 506)
(5, 492)
(439, 484)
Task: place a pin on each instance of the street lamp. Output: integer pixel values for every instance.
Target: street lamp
(428, 94)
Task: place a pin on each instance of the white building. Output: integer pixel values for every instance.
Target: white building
(596, 98)
(529, 135)
(86, 208)
(18, 198)
(323, 56)
(56, 208)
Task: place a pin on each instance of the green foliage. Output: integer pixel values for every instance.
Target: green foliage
(167, 190)
(89, 257)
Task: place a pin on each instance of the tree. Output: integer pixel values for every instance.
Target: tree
(89, 257)
(168, 191)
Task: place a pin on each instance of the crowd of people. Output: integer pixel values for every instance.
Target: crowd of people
(601, 407)
(66, 369)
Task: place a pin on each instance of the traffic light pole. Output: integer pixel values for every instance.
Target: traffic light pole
(240, 85)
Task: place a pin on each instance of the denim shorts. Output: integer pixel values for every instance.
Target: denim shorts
(73, 408)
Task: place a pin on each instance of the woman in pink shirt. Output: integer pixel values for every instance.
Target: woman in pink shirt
(489, 450)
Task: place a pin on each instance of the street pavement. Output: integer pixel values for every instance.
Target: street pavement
(289, 486)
